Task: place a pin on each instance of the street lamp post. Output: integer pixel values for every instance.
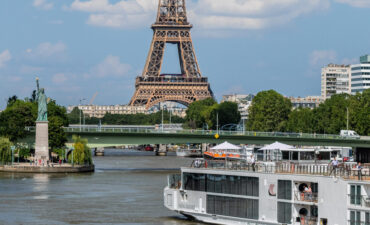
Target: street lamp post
(12, 148)
(82, 99)
(72, 156)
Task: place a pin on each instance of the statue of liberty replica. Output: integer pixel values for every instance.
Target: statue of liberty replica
(42, 125)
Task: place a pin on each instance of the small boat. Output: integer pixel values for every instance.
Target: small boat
(223, 151)
(189, 152)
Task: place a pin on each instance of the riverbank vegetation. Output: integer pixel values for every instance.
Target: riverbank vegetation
(204, 114)
(20, 114)
(81, 152)
(5, 151)
(270, 111)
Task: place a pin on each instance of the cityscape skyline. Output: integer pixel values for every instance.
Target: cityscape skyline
(108, 48)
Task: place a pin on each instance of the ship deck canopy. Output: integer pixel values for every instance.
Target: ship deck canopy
(226, 146)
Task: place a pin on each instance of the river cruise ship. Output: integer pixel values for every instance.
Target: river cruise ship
(280, 192)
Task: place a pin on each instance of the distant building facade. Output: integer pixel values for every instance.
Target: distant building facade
(243, 101)
(99, 111)
(360, 79)
(306, 102)
(335, 79)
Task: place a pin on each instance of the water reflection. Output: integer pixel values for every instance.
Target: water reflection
(127, 188)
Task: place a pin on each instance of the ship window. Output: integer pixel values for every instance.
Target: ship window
(235, 185)
(285, 189)
(284, 212)
(355, 194)
(355, 218)
(230, 206)
(194, 182)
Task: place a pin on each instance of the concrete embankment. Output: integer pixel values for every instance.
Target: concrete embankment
(46, 169)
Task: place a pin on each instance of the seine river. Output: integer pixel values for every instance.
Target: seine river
(126, 188)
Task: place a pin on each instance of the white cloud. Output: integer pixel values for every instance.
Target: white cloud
(46, 50)
(111, 66)
(59, 78)
(123, 14)
(356, 3)
(5, 56)
(209, 14)
(322, 57)
(43, 4)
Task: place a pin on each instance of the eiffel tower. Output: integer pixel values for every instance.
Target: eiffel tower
(152, 87)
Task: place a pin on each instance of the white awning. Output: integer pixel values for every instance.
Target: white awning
(226, 146)
(277, 146)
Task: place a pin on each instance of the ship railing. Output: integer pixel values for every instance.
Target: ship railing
(174, 181)
(306, 197)
(308, 220)
(345, 171)
(354, 222)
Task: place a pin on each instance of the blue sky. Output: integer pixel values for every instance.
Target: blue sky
(80, 47)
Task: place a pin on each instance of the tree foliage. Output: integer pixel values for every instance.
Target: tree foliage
(5, 150)
(269, 112)
(329, 117)
(15, 118)
(203, 114)
(199, 112)
(81, 152)
(20, 114)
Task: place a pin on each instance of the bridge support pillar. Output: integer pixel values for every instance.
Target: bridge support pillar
(205, 147)
(161, 150)
(99, 151)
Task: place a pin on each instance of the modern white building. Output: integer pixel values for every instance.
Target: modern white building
(243, 101)
(335, 79)
(360, 79)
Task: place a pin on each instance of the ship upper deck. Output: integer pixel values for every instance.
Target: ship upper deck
(346, 171)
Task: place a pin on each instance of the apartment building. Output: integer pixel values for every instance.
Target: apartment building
(335, 79)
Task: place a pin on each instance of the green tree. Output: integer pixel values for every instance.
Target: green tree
(5, 150)
(81, 152)
(269, 112)
(74, 116)
(15, 118)
(359, 113)
(57, 116)
(228, 113)
(301, 120)
(331, 115)
(197, 112)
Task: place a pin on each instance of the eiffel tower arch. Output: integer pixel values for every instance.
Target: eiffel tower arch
(152, 87)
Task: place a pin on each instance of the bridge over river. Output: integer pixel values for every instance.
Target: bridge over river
(113, 136)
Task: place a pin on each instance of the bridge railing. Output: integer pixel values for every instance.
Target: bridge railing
(194, 132)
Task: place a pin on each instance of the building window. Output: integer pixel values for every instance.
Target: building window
(355, 194)
(284, 211)
(285, 189)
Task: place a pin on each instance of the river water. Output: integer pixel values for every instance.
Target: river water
(126, 188)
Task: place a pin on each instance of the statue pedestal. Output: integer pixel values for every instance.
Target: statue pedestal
(42, 140)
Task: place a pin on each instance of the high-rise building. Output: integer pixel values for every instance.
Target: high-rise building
(360, 79)
(335, 79)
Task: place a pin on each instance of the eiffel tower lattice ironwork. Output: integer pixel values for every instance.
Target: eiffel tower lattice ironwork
(152, 87)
